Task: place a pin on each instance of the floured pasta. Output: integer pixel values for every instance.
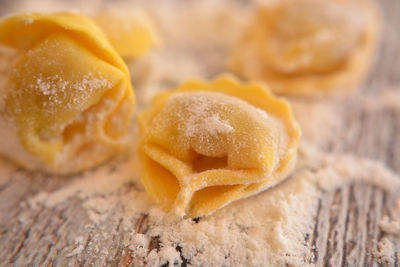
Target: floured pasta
(308, 46)
(65, 95)
(207, 144)
(131, 34)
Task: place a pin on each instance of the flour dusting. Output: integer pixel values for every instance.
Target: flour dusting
(267, 229)
(107, 207)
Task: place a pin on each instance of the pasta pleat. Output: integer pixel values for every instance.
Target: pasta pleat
(68, 100)
(205, 145)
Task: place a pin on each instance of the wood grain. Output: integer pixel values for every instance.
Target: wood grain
(346, 226)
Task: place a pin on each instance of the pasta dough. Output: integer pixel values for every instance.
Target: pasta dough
(66, 98)
(207, 144)
(308, 46)
(131, 34)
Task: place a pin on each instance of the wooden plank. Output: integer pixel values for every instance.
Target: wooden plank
(346, 226)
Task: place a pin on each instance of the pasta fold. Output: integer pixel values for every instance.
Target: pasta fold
(205, 145)
(131, 34)
(66, 98)
(308, 46)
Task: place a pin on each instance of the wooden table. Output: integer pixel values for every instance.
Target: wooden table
(346, 224)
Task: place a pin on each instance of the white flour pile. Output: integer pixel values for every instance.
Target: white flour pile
(271, 228)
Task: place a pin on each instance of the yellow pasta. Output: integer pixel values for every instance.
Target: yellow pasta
(204, 145)
(308, 46)
(131, 34)
(66, 98)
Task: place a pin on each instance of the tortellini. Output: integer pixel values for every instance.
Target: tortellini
(204, 145)
(131, 34)
(66, 100)
(308, 46)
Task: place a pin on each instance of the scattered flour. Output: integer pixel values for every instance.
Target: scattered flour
(390, 226)
(386, 251)
(268, 229)
(79, 242)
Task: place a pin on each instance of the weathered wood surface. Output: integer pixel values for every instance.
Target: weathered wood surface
(346, 227)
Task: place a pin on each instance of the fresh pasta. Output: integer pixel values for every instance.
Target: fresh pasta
(65, 95)
(132, 34)
(205, 145)
(308, 46)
